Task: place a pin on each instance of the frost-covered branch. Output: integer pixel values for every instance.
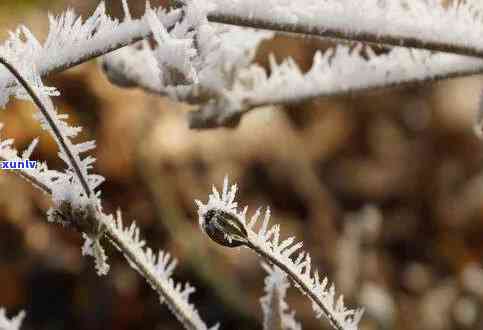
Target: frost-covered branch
(156, 269)
(223, 222)
(10, 324)
(194, 63)
(336, 71)
(224, 95)
(455, 27)
(62, 137)
(72, 41)
(209, 65)
(80, 207)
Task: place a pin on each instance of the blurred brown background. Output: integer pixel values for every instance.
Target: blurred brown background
(385, 189)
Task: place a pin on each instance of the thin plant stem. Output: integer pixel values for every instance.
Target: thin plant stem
(326, 32)
(124, 246)
(51, 122)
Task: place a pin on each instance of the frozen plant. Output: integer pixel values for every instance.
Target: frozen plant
(76, 202)
(222, 220)
(195, 59)
(201, 53)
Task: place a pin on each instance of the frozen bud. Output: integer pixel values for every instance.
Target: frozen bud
(224, 228)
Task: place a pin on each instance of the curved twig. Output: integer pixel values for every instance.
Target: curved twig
(58, 134)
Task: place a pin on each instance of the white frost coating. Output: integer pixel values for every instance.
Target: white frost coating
(457, 23)
(192, 58)
(337, 71)
(66, 189)
(70, 188)
(174, 55)
(226, 50)
(157, 268)
(266, 241)
(11, 324)
(69, 196)
(275, 308)
(71, 40)
(93, 248)
(133, 66)
(225, 202)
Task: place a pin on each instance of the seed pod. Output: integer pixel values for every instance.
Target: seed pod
(224, 228)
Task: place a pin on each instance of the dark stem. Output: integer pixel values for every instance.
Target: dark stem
(50, 121)
(291, 28)
(392, 40)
